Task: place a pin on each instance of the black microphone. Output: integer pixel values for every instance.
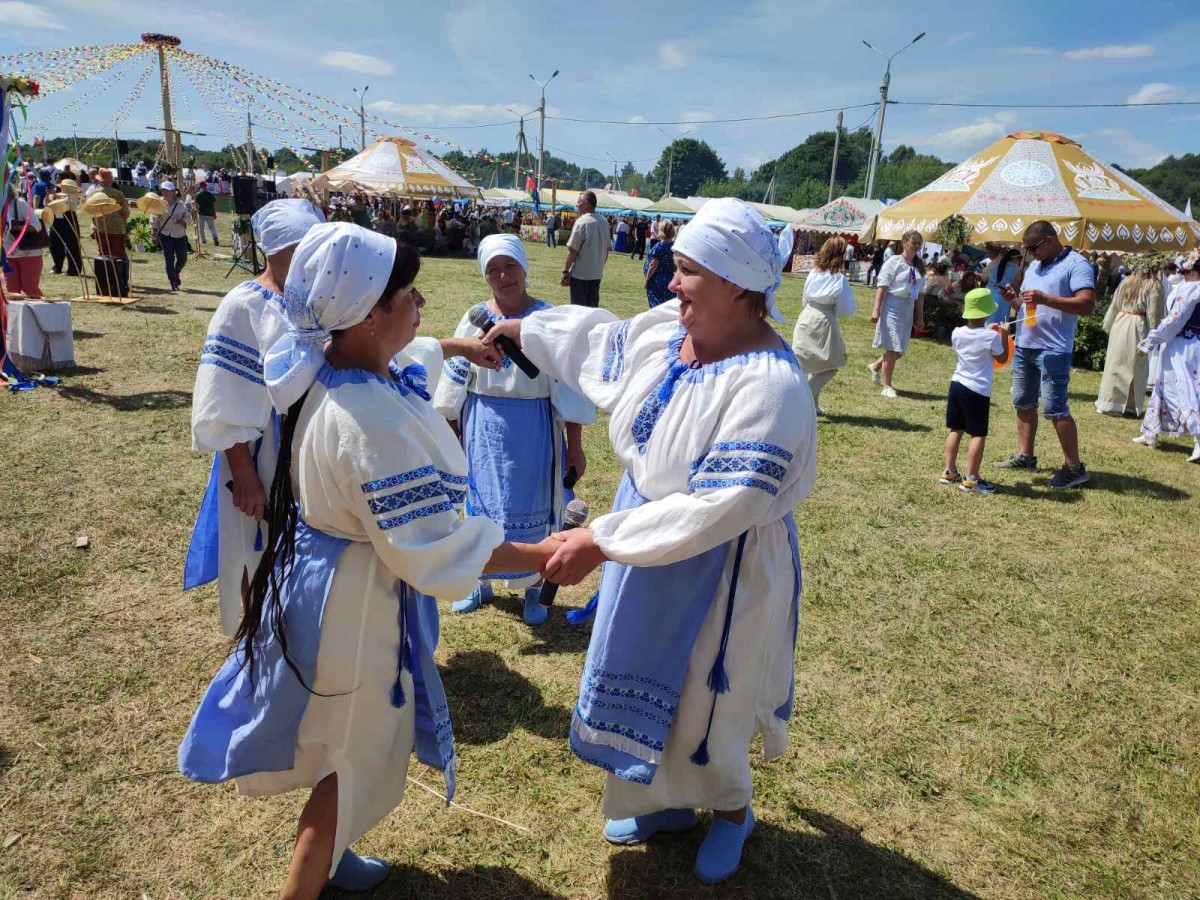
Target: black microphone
(571, 479)
(480, 319)
(574, 516)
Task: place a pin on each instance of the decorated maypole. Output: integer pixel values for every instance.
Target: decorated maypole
(172, 145)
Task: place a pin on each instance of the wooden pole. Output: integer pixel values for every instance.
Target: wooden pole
(174, 152)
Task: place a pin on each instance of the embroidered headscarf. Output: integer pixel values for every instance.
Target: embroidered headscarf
(731, 239)
(336, 277)
(502, 245)
(282, 223)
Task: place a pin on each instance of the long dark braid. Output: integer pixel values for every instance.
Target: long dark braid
(278, 557)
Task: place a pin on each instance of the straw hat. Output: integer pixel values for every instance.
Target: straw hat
(100, 204)
(151, 204)
(69, 186)
(46, 214)
(55, 207)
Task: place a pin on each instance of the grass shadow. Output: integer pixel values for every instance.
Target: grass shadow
(147, 400)
(1038, 491)
(492, 882)
(88, 335)
(490, 700)
(556, 636)
(889, 424)
(1130, 484)
(207, 309)
(150, 309)
(77, 371)
(919, 395)
(835, 862)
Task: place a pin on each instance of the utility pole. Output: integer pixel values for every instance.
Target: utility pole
(340, 148)
(616, 179)
(362, 115)
(877, 142)
(542, 129)
(671, 156)
(769, 194)
(249, 140)
(837, 140)
(522, 146)
(75, 140)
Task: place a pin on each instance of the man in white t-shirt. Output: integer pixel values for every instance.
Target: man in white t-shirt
(508, 219)
(587, 252)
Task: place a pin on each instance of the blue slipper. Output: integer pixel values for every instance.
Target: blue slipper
(359, 873)
(481, 595)
(585, 615)
(642, 828)
(721, 852)
(535, 613)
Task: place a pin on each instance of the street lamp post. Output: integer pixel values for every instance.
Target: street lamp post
(75, 139)
(671, 156)
(877, 141)
(542, 128)
(362, 115)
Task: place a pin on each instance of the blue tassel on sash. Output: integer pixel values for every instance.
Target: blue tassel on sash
(203, 556)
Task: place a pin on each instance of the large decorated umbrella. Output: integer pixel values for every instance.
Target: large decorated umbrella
(1033, 175)
(398, 168)
(849, 216)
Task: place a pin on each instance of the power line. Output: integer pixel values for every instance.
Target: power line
(604, 159)
(381, 121)
(810, 112)
(1042, 105)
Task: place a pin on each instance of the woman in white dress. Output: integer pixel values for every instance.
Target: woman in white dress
(1174, 407)
(692, 652)
(1127, 322)
(523, 437)
(817, 340)
(897, 305)
(332, 683)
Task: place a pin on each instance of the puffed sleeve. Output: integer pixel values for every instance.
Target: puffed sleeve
(1187, 297)
(399, 484)
(590, 351)
(230, 404)
(760, 464)
(451, 393)
(425, 352)
(845, 304)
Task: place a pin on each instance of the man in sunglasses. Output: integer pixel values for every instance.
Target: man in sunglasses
(1058, 287)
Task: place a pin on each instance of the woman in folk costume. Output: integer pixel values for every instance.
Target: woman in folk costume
(1174, 406)
(1127, 322)
(692, 650)
(333, 683)
(232, 417)
(511, 427)
(817, 340)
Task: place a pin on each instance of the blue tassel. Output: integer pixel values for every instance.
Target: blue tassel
(258, 541)
(405, 656)
(700, 757)
(398, 698)
(718, 678)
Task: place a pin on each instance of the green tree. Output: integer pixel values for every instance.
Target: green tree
(1176, 179)
(692, 163)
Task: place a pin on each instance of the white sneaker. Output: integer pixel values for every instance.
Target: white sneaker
(1195, 457)
(874, 373)
(1146, 440)
(889, 392)
(820, 412)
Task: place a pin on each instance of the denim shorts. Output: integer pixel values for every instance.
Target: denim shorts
(1041, 373)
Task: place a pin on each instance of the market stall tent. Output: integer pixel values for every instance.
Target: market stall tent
(398, 168)
(1032, 175)
(849, 216)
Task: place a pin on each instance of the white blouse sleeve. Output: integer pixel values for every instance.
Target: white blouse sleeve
(589, 350)
(761, 463)
(230, 404)
(1185, 302)
(890, 278)
(408, 504)
(455, 378)
(427, 353)
(846, 305)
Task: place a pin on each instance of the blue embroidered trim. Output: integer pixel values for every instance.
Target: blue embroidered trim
(395, 480)
(265, 292)
(700, 372)
(624, 730)
(756, 446)
(623, 774)
(627, 707)
(215, 349)
(536, 306)
(237, 345)
(614, 364)
(447, 478)
(214, 361)
(697, 483)
(408, 497)
(386, 524)
(758, 464)
(457, 369)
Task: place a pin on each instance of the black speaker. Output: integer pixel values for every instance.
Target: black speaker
(244, 201)
(268, 185)
(270, 163)
(124, 173)
(112, 276)
(122, 147)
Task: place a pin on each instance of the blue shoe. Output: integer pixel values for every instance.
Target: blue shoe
(535, 613)
(642, 828)
(359, 873)
(721, 852)
(481, 595)
(585, 615)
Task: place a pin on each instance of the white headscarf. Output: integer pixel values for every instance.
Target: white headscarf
(336, 277)
(282, 223)
(732, 240)
(502, 245)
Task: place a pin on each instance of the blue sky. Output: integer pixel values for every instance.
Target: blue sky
(465, 62)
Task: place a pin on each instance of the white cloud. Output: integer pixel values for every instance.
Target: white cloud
(968, 137)
(1112, 51)
(636, 120)
(27, 15)
(1030, 51)
(1133, 151)
(452, 113)
(671, 55)
(356, 62)
(959, 38)
(1159, 92)
(696, 116)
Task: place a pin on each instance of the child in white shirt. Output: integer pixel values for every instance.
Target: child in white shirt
(969, 402)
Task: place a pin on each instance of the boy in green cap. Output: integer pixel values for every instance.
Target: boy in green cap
(969, 403)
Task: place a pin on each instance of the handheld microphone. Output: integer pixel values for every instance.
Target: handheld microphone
(479, 318)
(571, 479)
(574, 516)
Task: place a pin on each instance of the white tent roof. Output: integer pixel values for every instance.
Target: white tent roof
(399, 168)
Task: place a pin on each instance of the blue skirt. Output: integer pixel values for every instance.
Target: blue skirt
(515, 467)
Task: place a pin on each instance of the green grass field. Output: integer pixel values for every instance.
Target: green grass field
(996, 697)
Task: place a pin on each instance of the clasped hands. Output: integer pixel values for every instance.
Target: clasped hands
(568, 557)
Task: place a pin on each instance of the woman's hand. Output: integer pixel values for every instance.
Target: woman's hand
(510, 328)
(576, 557)
(875, 316)
(474, 351)
(249, 496)
(576, 459)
